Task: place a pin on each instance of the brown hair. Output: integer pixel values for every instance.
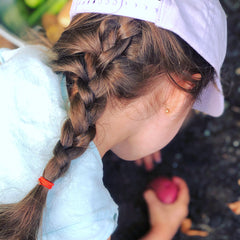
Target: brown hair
(103, 57)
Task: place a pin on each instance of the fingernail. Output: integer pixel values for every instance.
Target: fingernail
(138, 163)
(149, 168)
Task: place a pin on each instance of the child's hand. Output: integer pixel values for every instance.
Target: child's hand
(149, 160)
(165, 219)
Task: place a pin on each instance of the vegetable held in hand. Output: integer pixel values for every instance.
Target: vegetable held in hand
(165, 189)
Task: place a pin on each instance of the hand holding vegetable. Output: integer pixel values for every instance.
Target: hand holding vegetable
(165, 219)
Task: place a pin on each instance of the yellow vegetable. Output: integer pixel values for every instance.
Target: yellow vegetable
(64, 17)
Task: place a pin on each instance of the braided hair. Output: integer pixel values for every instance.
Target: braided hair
(104, 58)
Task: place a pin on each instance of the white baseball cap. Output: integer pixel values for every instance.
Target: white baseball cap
(201, 23)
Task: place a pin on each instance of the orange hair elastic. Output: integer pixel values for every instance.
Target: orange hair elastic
(44, 182)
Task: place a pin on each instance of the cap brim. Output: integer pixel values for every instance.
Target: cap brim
(211, 99)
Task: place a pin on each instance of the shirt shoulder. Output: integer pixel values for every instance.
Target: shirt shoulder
(33, 110)
(5, 54)
(33, 51)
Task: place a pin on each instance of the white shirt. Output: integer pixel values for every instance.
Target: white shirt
(32, 112)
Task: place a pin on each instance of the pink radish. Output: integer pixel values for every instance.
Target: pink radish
(165, 189)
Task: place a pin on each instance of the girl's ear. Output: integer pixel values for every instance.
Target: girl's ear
(189, 85)
(178, 98)
(197, 76)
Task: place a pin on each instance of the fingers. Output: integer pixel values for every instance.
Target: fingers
(157, 157)
(183, 194)
(139, 162)
(150, 197)
(183, 198)
(149, 160)
(153, 204)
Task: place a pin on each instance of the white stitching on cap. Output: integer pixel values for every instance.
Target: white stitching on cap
(142, 9)
(114, 2)
(158, 13)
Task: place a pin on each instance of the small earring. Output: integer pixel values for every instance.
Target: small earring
(167, 110)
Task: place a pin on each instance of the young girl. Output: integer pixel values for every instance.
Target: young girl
(123, 76)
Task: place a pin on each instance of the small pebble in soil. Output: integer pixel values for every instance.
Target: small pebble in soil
(207, 133)
(227, 139)
(235, 109)
(178, 156)
(237, 71)
(239, 182)
(230, 150)
(236, 143)
(238, 152)
(174, 164)
(226, 104)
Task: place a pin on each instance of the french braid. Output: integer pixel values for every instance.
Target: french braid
(103, 57)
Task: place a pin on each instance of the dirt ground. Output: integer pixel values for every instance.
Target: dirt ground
(206, 154)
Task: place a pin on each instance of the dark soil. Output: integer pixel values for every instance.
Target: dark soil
(206, 154)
